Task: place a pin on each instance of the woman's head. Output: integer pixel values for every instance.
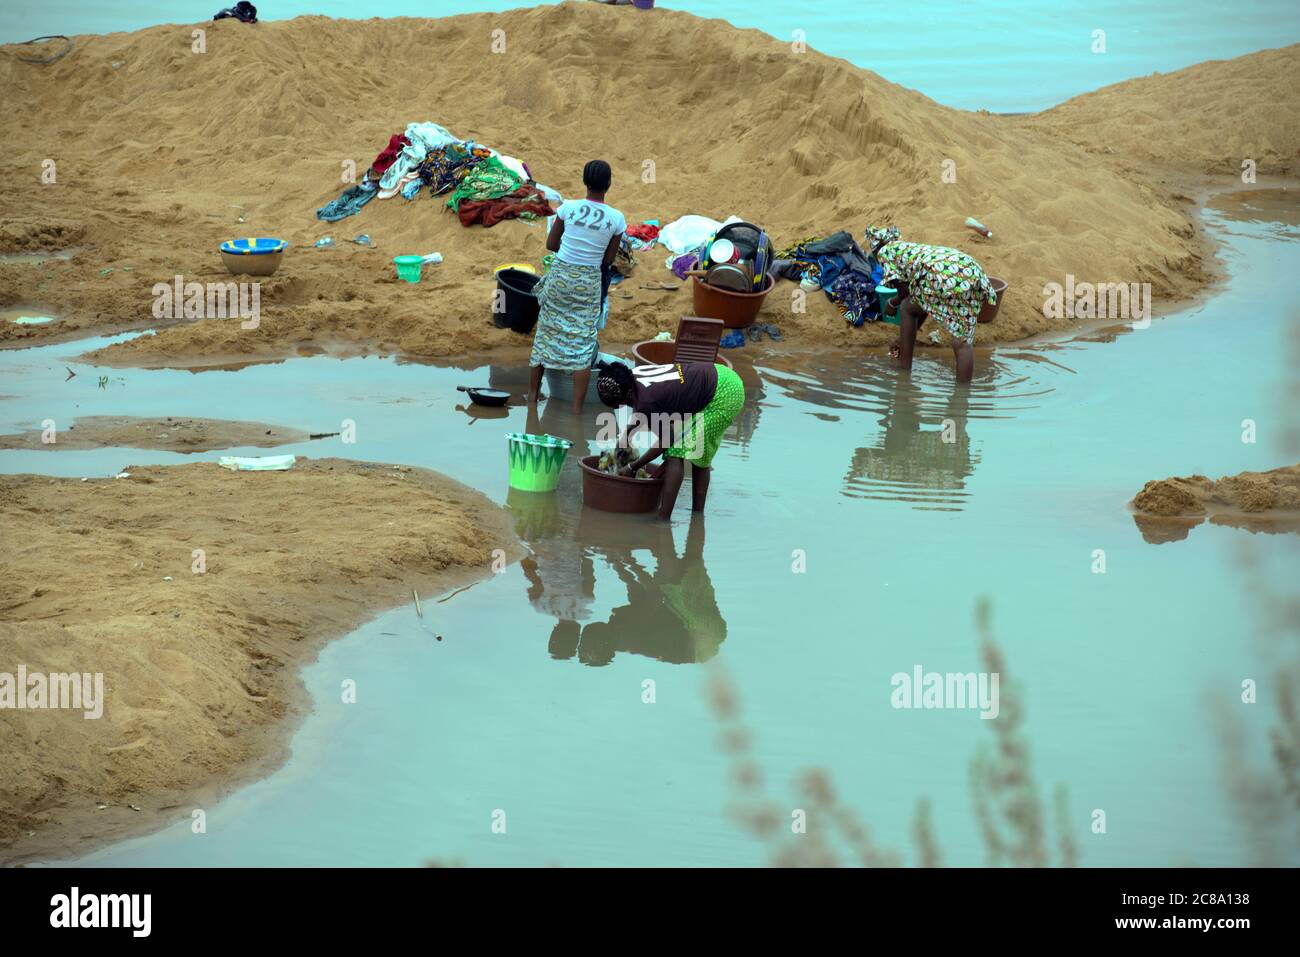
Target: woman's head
(597, 176)
(877, 237)
(614, 384)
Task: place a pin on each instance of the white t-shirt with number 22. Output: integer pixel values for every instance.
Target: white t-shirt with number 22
(588, 228)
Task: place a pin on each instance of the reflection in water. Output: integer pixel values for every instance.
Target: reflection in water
(671, 613)
(1271, 207)
(474, 412)
(924, 463)
(1161, 529)
(1004, 386)
(922, 453)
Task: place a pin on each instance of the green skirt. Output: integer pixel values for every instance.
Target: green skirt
(703, 432)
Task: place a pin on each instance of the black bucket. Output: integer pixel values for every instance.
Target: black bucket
(518, 300)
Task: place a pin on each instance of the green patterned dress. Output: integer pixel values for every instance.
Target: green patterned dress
(946, 283)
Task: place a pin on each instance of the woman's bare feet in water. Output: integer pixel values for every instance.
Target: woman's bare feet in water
(895, 348)
(534, 399)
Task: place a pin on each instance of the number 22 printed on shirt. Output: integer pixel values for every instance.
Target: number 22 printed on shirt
(593, 217)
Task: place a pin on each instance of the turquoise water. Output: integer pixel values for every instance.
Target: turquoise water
(1000, 56)
(531, 702)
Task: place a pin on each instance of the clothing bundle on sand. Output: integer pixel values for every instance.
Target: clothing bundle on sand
(429, 155)
(349, 203)
(643, 235)
(489, 179)
(523, 203)
(421, 139)
(843, 271)
(243, 11)
(442, 169)
(689, 233)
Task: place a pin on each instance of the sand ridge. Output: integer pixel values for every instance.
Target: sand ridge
(152, 176)
(201, 669)
(168, 433)
(1167, 509)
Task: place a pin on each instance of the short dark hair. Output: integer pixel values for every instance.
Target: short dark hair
(597, 176)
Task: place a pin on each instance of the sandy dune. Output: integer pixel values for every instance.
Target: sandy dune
(158, 157)
(201, 669)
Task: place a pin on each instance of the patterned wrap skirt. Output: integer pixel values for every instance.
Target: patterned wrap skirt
(569, 319)
(947, 283)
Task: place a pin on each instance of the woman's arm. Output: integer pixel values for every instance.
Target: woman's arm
(556, 234)
(651, 454)
(612, 250)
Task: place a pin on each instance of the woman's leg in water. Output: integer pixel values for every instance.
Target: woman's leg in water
(535, 385)
(699, 487)
(910, 317)
(580, 382)
(964, 353)
(674, 470)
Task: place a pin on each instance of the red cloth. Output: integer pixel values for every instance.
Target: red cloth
(489, 212)
(389, 156)
(645, 232)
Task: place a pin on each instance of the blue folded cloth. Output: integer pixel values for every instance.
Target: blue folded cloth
(348, 203)
(734, 338)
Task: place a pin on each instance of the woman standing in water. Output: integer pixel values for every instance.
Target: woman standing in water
(687, 406)
(932, 281)
(572, 295)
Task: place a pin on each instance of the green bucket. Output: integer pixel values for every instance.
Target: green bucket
(884, 293)
(536, 461)
(408, 267)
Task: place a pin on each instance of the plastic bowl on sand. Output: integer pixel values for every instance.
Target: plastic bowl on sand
(536, 461)
(409, 267)
(617, 493)
(253, 256)
(736, 309)
(662, 352)
(989, 311)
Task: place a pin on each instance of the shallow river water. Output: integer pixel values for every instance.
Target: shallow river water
(532, 703)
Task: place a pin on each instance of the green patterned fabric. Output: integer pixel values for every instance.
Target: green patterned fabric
(946, 283)
(704, 430)
(490, 179)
